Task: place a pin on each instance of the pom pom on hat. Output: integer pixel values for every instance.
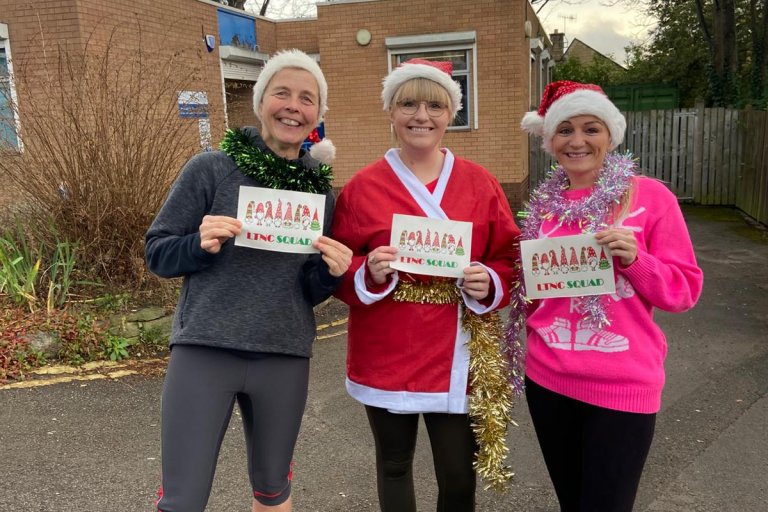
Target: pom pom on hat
(436, 71)
(290, 59)
(565, 99)
(323, 151)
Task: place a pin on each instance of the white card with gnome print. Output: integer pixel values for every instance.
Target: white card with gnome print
(566, 266)
(280, 220)
(431, 246)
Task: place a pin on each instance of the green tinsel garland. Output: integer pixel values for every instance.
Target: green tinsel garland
(273, 171)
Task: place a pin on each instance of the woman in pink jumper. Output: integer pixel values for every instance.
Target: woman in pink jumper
(595, 364)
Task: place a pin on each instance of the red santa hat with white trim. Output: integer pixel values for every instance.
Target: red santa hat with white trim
(565, 99)
(439, 72)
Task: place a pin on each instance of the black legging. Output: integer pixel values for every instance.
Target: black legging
(453, 447)
(595, 456)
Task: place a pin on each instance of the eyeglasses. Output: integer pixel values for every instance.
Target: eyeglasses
(410, 107)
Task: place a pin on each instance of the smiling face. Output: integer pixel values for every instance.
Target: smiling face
(289, 111)
(420, 131)
(580, 145)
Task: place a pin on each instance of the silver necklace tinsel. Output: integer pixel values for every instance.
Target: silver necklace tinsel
(592, 214)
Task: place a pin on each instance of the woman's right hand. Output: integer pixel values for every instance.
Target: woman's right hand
(216, 230)
(378, 263)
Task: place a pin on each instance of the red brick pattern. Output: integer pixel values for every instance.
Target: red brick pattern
(355, 121)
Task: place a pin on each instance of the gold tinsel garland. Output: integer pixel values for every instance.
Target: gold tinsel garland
(490, 401)
(434, 291)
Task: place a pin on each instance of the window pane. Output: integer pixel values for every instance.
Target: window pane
(457, 57)
(462, 116)
(7, 123)
(3, 64)
(237, 30)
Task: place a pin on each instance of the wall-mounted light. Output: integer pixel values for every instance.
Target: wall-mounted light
(363, 37)
(210, 42)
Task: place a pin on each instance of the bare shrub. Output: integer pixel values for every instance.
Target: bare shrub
(102, 141)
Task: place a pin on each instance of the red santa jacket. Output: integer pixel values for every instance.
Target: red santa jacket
(404, 356)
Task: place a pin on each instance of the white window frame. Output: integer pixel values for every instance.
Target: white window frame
(465, 41)
(6, 45)
(536, 71)
(543, 59)
(531, 78)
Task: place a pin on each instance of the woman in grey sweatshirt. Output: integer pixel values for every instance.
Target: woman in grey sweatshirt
(244, 324)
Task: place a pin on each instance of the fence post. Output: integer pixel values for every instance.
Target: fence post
(698, 148)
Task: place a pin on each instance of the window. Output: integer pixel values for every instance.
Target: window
(236, 30)
(537, 71)
(8, 117)
(458, 48)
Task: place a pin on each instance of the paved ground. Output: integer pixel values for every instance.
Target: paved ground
(93, 445)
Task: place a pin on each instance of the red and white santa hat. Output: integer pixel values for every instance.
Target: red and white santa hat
(565, 99)
(439, 72)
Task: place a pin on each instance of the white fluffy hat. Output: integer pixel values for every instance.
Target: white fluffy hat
(290, 59)
(565, 99)
(439, 72)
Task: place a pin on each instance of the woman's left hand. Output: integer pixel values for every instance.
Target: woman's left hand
(335, 254)
(477, 282)
(622, 243)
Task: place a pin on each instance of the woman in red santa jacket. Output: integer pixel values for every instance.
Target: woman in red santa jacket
(419, 344)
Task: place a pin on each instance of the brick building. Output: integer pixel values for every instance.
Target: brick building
(577, 49)
(498, 48)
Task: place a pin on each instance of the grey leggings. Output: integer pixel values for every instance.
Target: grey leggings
(199, 393)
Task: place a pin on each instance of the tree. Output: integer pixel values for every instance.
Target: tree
(601, 71)
(718, 24)
(722, 61)
(237, 4)
(759, 29)
(279, 9)
(674, 55)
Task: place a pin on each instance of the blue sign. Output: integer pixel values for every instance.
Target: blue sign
(193, 104)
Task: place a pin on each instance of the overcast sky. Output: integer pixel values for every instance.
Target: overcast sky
(606, 29)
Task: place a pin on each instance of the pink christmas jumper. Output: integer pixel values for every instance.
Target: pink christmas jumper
(619, 366)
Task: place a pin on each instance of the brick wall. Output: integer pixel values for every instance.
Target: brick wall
(356, 122)
(161, 29)
(266, 35)
(301, 34)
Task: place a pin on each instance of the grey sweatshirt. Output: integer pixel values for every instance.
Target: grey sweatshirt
(241, 298)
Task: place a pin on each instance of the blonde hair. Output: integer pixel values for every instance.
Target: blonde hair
(422, 89)
(625, 203)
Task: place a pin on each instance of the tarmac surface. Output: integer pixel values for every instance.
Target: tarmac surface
(93, 445)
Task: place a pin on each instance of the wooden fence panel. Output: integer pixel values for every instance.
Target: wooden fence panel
(753, 193)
